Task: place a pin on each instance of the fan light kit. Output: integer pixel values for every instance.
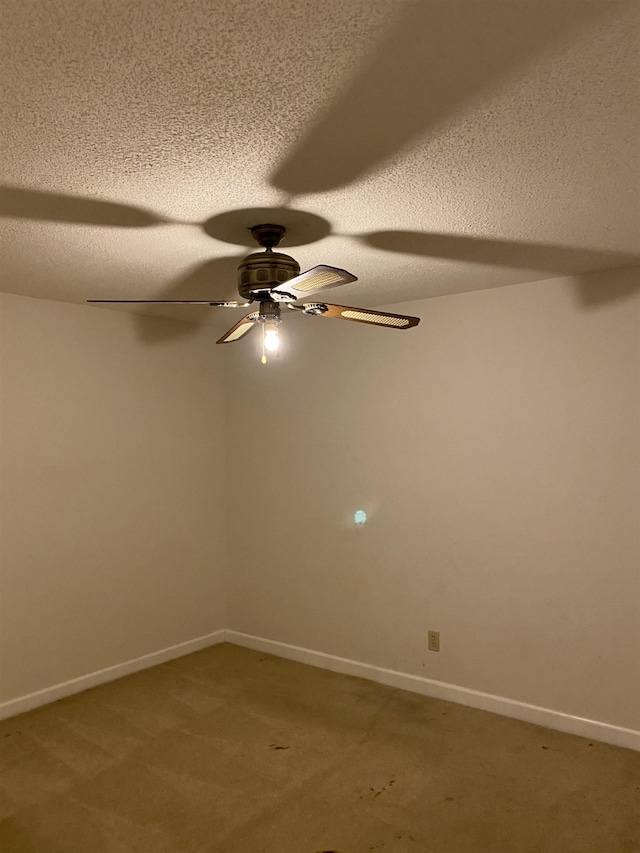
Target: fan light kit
(273, 279)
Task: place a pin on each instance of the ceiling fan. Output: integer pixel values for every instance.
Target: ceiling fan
(273, 279)
(415, 48)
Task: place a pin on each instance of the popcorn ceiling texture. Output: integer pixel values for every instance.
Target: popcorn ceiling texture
(193, 108)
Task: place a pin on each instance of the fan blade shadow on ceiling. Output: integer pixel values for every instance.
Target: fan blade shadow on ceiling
(498, 253)
(215, 279)
(607, 286)
(413, 80)
(24, 203)
(549, 260)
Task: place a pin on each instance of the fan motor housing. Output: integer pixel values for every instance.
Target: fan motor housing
(261, 272)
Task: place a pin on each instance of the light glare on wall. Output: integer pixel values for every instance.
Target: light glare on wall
(360, 516)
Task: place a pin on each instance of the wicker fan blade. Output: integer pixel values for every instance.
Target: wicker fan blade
(240, 329)
(361, 315)
(312, 281)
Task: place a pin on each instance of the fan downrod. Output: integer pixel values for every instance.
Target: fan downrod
(268, 236)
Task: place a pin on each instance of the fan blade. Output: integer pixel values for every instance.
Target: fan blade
(23, 203)
(172, 302)
(435, 58)
(361, 315)
(240, 329)
(499, 253)
(318, 278)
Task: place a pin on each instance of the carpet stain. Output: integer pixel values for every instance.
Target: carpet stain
(384, 788)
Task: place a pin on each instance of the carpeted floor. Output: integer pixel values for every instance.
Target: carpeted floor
(233, 751)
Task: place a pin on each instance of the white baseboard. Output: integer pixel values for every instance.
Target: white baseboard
(92, 679)
(591, 729)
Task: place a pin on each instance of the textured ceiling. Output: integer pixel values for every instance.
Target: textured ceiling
(445, 145)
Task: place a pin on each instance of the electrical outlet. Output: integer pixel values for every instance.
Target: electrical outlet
(434, 641)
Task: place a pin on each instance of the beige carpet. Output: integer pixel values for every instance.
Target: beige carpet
(234, 751)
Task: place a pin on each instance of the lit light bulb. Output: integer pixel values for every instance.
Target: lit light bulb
(271, 339)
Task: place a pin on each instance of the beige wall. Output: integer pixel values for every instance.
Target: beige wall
(495, 449)
(112, 452)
